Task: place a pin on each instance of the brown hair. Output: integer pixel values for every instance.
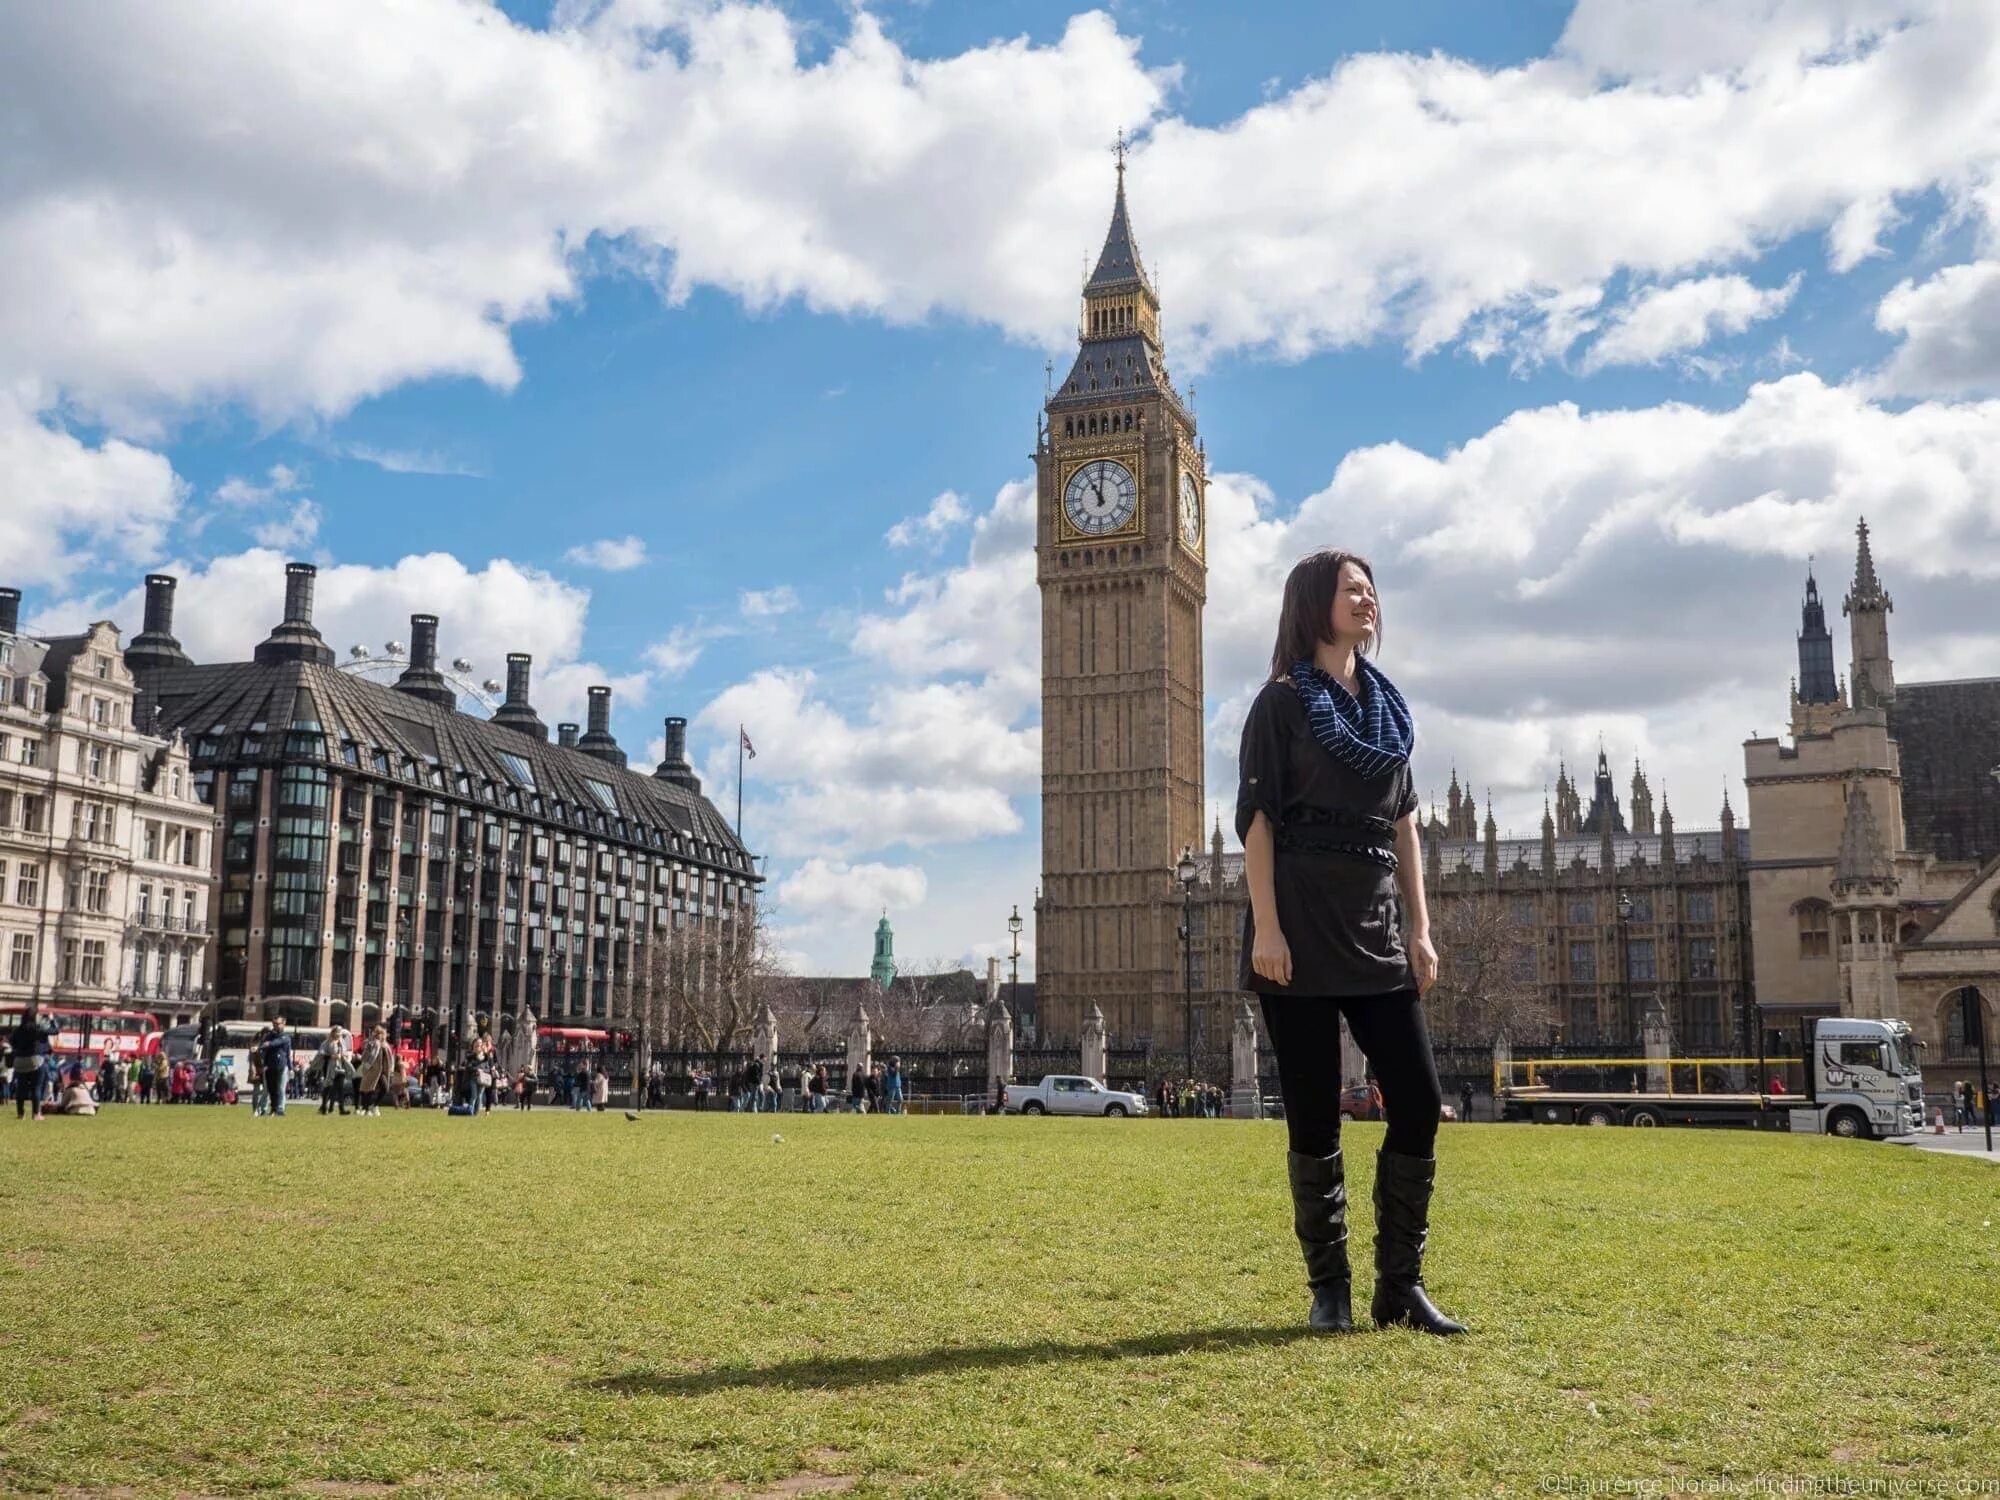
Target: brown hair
(1305, 619)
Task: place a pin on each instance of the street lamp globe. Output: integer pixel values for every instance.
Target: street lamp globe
(1187, 869)
(1014, 922)
(1624, 906)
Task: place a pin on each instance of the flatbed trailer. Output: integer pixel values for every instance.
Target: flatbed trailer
(1862, 1081)
(1546, 1106)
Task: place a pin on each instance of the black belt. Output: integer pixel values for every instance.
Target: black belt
(1322, 840)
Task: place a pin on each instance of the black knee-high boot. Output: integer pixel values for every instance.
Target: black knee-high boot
(1319, 1214)
(1402, 1223)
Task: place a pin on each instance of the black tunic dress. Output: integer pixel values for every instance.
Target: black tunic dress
(1338, 910)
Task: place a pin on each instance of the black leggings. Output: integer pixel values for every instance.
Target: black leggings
(1390, 1031)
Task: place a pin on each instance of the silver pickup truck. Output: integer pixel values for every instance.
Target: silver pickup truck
(1069, 1094)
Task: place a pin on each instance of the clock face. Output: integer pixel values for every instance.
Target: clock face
(1190, 511)
(1100, 497)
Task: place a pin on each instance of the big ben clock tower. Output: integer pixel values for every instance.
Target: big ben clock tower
(1120, 535)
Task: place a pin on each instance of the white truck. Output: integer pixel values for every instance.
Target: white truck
(1069, 1094)
(1863, 1081)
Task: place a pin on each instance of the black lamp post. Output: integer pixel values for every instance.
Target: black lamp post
(1186, 871)
(1014, 1001)
(1972, 1021)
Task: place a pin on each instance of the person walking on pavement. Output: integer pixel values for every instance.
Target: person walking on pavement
(274, 1055)
(1326, 810)
(1465, 1099)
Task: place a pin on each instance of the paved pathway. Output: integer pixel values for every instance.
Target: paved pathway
(1971, 1143)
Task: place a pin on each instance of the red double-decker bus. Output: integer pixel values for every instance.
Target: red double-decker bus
(84, 1034)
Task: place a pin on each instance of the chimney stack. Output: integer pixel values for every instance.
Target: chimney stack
(295, 639)
(299, 593)
(517, 713)
(566, 736)
(674, 768)
(10, 611)
(159, 604)
(421, 678)
(155, 647)
(597, 738)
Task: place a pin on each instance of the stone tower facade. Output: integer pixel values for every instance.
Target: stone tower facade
(1851, 915)
(1121, 534)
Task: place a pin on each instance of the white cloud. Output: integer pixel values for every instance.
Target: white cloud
(296, 529)
(242, 227)
(227, 605)
(410, 460)
(1632, 572)
(1682, 41)
(1665, 320)
(238, 493)
(612, 555)
(1950, 326)
(946, 514)
(763, 604)
(71, 507)
(981, 619)
(922, 764)
(822, 891)
(680, 649)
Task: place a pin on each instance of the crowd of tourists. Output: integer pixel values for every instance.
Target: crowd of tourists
(817, 1089)
(1189, 1099)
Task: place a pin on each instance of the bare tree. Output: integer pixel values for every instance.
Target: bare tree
(930, 1004)
(1486, 974)
(700, 987)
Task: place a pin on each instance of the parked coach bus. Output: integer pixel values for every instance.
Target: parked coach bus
(229, 1044)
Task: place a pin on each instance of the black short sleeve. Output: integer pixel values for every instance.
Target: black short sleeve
(1407, 802)
(1261, 761)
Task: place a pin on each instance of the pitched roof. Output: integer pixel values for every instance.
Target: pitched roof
(1108, 369)
(396, 735)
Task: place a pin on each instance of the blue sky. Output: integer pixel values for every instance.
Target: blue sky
(1590, 323)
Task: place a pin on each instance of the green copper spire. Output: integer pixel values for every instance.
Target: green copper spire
(883, 970)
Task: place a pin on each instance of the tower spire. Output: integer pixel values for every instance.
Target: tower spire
(1118, 263)
(1868, 607)
(1817, 683)
(1868, 592)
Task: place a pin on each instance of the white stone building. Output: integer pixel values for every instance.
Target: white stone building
(98, 822)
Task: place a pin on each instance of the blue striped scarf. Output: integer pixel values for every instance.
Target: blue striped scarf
(1371, 738)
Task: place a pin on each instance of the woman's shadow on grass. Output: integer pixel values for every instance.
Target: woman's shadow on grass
(858, 1370)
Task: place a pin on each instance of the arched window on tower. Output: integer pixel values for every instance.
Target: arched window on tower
(1815, 929)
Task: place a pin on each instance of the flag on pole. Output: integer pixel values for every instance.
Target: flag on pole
(748, 748)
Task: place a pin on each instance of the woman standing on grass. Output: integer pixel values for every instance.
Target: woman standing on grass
(1327, 814)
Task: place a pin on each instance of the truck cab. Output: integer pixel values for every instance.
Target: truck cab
(1865, 1079)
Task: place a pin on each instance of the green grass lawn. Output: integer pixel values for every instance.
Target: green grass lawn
(195, 1302)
